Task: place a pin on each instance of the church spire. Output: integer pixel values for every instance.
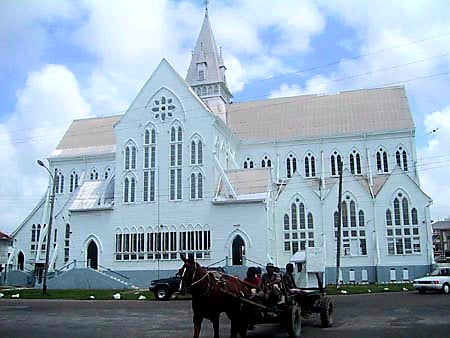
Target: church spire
(206, 72)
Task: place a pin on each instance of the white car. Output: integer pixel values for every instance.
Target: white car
(438, 280)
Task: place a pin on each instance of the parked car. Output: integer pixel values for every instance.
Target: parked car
(438, 280)
(164, 288)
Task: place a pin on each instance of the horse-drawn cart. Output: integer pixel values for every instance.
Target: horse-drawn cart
(215, 292)
(290, 309)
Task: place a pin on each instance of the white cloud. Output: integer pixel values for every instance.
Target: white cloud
(46, 105)
(260, 38)
(434, 162)
(286, 90)
(23, 35)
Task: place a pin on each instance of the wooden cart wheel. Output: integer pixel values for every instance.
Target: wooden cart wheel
(294, 321)
(326, 312)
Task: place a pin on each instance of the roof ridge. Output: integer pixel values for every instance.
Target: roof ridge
(321, 94)
(98, 117)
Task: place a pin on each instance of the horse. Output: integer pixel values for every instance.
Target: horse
(213, 293)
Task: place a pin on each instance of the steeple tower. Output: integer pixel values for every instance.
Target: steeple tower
(206, 72)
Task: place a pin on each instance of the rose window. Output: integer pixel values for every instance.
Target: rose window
(163, 108)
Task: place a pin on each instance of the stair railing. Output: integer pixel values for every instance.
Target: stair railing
(112, 271)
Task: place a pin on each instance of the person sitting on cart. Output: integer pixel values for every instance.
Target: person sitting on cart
(270, 284)
(289, 282)
(252, 277)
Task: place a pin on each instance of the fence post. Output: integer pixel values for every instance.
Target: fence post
(226, 260)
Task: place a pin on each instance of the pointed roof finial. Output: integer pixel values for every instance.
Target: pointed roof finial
(206, 7)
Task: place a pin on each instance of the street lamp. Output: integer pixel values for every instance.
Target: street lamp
(49, 231)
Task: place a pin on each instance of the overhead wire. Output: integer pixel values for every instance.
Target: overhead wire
(297, 71)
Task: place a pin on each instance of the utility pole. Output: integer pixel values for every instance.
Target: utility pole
(49, 228)
(339, 206)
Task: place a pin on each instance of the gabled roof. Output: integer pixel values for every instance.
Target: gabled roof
(351, 112)
(4, 236)
(205, 51)
(92, 136)
(247, 183)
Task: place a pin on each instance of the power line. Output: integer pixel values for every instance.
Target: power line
(235, 111)
(212, 193)
(306, 69)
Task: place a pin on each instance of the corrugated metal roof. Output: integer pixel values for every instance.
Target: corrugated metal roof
(441, 225)
(361, 111)
(88, 136)
(88, 196)
(247, 181)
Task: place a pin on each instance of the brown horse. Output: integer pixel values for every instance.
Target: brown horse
(213, 293)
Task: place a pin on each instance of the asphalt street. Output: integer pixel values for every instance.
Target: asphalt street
(374, 315)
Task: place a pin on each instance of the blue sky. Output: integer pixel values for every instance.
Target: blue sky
(63, 60)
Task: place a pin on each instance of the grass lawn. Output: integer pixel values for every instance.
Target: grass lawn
(134, 294)
(77, 294)
(374, 288)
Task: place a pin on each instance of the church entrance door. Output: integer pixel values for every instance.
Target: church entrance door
(20, 261)
(238, 250)
(92, 255)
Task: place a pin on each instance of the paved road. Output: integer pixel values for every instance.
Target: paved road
(375, 315)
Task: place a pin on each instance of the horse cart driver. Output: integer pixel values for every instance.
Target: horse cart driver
(270, 285)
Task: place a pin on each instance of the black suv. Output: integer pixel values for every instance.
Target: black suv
(165, 287)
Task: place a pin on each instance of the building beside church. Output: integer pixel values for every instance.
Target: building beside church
(185, 170)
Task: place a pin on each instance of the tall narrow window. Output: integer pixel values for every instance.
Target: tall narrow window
(352, 214)
(193, 153)
(414, 216)
(335, 167)
(126, 190)
(199, 185)
(286, 222)
(397, 211)
(301, 212)
(266, 162)
(73, 181)
(193, 186)
(199, 153)
(344, 214)
(291, 165)
(405, 160)
(401, 158)
(355, 163)
(310, 165)
(176, 163)
(107, 173)
(388, 217)
(149, 165)
(382, 161)
(248, 163)
(94, 175)
(361, 218)
(129, 190)
(405, 209)
(294, 216)
(66, 243)
(59, 182)
(127, 158)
